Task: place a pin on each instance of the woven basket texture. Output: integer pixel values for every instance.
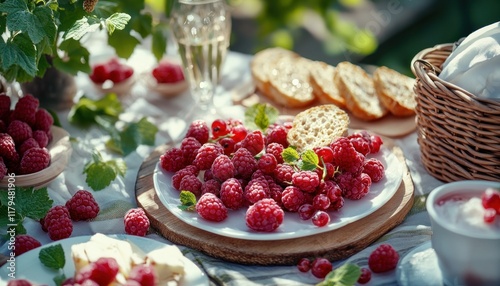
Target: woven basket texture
(458, 132)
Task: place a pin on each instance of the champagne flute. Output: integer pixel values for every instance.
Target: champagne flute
(202, 30)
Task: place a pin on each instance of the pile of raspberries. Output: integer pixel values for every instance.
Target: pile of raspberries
(24, 136)
(241, 168)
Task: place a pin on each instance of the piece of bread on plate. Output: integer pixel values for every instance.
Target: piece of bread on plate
(395, 91)
(318, 126)
(357, 87)
(323, 85)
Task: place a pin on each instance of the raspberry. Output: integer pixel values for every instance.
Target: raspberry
(256, 190)
(192, 184)
(244, 163)
(25, 243)
(265, 215)
(82, 206)
(489, 215)
(355, 187)
(374, 168)
(307, 181)
(199, 130)
(267, 163)
(254, 142)
(58, 223)
(223, 168)
(211, 186)
(383, 258)
(144, 274)
(275, 149)
(102, 271)
(172, 160)
(320, 267)
(168, 72)
(34, 160)
(3, 126)
(283, 174)
(177, 177)
(4, 106)
(491, 199)
(365, 277)
(211, 208)
(136, 222)
(19, 131)
(304, 265)
(231, 194)
(3, 169)
(375, 144)
(320, 218)
(277, 135)
(189, 147)
(41, 138)
(345, 156)
(44, 120)
(207, 175)
(292, 198)
(360, 143)
(89, 5)
(206, 155)
(8, 149)
(25, 109)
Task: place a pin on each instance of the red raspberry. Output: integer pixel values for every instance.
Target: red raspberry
(360, 143)
(244, 163)
(278, 135)
(320, 267)
(292, 198)
(383, 258)
(354, 187)
(211, 186)
(8, 148)
(102, 271)
(82, 206)
(172, 160)
(491, 199)
(25, 109)
(346, 157)
(177, 177)
(19, 131)
(304, 265)
(374, 168)
(144, 274)
(231, 194)
(192, 184)
(199, 130)
(223, 168)
(267, 163)
(256, 190)
(3, 126)
(307, 181)
(376, 143)
(19, 282)
(25, 243)
(58, 223)
(168, 72)
(365, 277)
(276, 149)
(265, 215)
(211, 208)
(41, 137)
(276, 192)
(207, 175)
(283, 174)
(190, 147)
(136, 222)
(27, 144)
(254, 142)
(43, 120)
(3, 169)
(206, 155)
(34, 160)
(4, 106)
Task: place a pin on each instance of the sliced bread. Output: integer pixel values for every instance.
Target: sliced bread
(318, 126)
(395, 91)
(323, 85)
(357, 87)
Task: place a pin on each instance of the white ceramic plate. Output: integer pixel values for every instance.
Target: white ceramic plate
(292, 227)
(29, 266)
(60, 152)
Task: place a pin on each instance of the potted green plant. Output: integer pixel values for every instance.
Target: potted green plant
(43, 35)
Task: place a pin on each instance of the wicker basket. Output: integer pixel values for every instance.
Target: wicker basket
(458, 133)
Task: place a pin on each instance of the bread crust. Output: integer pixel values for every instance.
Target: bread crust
(323, 84)
(395, 91)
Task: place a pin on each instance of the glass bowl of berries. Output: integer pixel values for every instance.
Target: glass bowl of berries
(112, 75)
(167, 78)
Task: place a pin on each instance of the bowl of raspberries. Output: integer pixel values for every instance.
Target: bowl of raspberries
(33, 151)
(112, 75)
(167, 78)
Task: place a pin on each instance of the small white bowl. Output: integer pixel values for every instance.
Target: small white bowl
(60, 151)
(120, 88)
(165, 89)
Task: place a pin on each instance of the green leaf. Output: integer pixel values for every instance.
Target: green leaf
(123, 43)
(52, 257)
(101, 173)
(188, 201)
(80, 28)
(159, 40)
(290, 155)
(19, 18)
(346, 275)
(260, 116)
(28, 202)
(79, 60)
(85, 111)
(310, 160)
(117, 21)
(59, 279)
(133, 134)
(19, 53)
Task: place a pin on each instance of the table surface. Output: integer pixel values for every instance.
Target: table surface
(168, 115)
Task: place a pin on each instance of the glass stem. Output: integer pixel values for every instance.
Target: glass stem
(205, 92)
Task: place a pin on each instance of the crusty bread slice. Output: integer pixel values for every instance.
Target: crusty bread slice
(323, 85)
(395, 91)
(357, 87)
(318, 126)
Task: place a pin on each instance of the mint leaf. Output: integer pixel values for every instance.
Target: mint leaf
(52, 257)
(101, 173)
(85, 111)
(117, 21)
(310, 160)
(132, 135)
(290, 155)
(260, 116)
(346, 275)
(59, 279)
(188, 201)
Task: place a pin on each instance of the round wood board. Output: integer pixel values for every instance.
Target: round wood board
(335, 245)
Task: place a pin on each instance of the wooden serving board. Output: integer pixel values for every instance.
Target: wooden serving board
(335, 245)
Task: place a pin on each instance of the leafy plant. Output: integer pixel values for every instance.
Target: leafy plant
(35, 30)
